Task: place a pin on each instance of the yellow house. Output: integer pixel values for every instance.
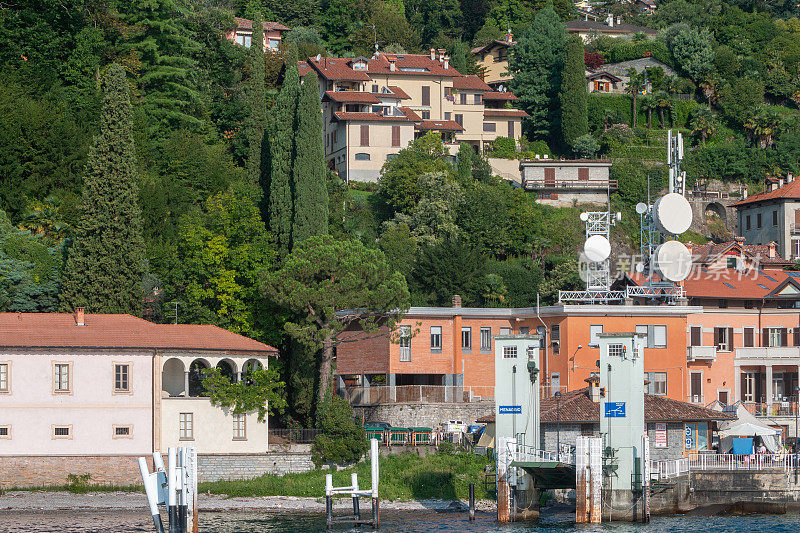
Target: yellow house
(492, 60)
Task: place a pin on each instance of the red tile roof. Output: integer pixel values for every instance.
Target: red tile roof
(59, 330)
(336, 68)
(351, 96)
(380, 65)
(470, 83)
(705, 253)
(496, 95)
(246, 24)
(439, 125)
(343, 115)
(302, 68)
(789, 191)
(729, 283)
(398, 93)
(487, 47)
(488, 112)
(410, 113)
(577, 406)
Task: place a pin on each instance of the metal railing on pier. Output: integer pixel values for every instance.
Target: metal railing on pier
(729, 461)
(525, 453)
(668, 469)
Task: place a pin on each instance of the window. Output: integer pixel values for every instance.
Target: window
(696, 336)
(722, 396)
(723, 338)
(747, 222)
(362, 157)
(123, 432)
(462, 98)
(186, 426)
(62, 432)
(731, 262)
(61, 376)
(489, 126)
(775, 218)
(524, 330)
(239, 427)
(478, 99)
(459, 118)
(5, 432)
(505, 331)
(466, 339)
(335, 137)
(748, 337)
(4, 377)
(509, 352)
(616, 350)
(658, 383)
(365, 135)
(389, 157)
(696, 387)
(426, 95)
(426, 115)
(121, 382)
(436, 338)
(511, 129)
(583, 174)
(659, 336)
(405, 343)
(274, 43)
(447, 115)
(758, 220)
(395, 135)
(486, 339)
(594, 331)
(555, 338)
(374, 88)
(774, 337)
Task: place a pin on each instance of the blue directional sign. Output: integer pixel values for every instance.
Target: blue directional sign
(615, 409)
(510, 409)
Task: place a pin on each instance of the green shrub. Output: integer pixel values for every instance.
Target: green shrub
(504, 147)
(342, 441)
(78, 483)
(529, 149)
(446, 448)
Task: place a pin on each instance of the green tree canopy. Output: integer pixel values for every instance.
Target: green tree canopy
(574, 117)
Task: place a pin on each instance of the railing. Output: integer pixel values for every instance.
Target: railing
(794, 228)
(383, 394)
(529, 183)
(696, 399)
(757, 354)
(778, 408)
(756, 461)
(701, 353)
(668, 469)
(525, 453)
(293, 436)
(546, 391)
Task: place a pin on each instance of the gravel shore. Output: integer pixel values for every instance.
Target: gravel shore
(46, 501)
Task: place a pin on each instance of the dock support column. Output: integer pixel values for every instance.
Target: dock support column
(328, 501)
(356, 510)
(472, 501)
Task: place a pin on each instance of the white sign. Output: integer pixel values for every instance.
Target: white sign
(661, 435)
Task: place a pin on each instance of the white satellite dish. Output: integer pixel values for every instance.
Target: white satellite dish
(597, 248)
(584, 217)
(639, 267)
(641, 208)
(673, 261)
(672, 213)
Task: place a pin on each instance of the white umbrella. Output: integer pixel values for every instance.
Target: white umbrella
(748, 429)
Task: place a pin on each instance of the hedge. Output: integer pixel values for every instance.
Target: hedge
(622, 106)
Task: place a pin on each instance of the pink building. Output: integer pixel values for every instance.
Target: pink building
(242, 33)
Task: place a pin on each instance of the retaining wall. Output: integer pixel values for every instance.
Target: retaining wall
(425, 414)
(240, 466)
(41, 471)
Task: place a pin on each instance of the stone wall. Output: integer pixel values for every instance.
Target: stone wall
(235, 466)
(425, 414)
(41, 471)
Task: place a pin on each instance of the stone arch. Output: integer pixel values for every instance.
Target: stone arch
(249, 366)
(718, 209)
(196, 377)
(172, 377)
(227, 368)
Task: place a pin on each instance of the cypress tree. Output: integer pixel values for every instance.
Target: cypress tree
(308, 171)
(257, 99)
(281, 158)
(464, 164)
(574, 119)
(105, 266)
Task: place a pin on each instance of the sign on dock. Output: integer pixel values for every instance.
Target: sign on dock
(510, 409)
(615, 409)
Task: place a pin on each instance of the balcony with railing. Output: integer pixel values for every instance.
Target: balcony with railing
(775, 409)
(696, 399)
(569, 185)
(701, 353)
(762, 355)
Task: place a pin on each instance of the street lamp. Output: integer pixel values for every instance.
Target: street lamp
(558, 424)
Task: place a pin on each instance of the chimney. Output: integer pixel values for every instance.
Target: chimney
(610, 21)
(446, 62)
(510, 37)
(789, 177)
(744, 193)
(392, 66)
(594, 387)
(433, 54)
(440, 54)
(690, 246)
(79, 316)
(771, 248)
(456, 300)
(781, 182)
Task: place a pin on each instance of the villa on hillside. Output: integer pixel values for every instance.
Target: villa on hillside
(242, 33)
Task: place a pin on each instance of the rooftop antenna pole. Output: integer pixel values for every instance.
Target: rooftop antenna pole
(176, 304)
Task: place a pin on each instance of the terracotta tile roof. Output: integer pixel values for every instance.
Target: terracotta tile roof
(343, 115)
(591, 25)
(337, 68)
(496, 95)
(246, 24)
(59, 330)
(380, 65)
(302, 68)
(439, 125)
(789, 191)
(398, 93)
(487, 47)
(550, 161)
(470, 83)
(704, 253)
(351, 96)
(728, 283)
(488, 112)
(577, 406)
(603, 74)
(410, 113)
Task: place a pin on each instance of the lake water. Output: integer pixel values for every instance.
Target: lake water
(391, 522)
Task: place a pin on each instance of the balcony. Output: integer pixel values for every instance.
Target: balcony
(776, 408)
(584, 185)
(696, 399)
(701, 353)
(794, 229)
(789, 355)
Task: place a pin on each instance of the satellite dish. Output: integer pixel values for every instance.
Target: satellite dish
(639, 267)
(672, 213)
(319, 56)
(584, 216)
(597, 248)
(583, 267)
(641, 208)
(673, 261)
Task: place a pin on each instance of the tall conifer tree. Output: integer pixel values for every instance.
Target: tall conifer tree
(309, 172)
(281, 157)
(574, 118)
(105, 266)
(257, 98)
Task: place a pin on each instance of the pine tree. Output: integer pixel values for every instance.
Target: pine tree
(308, 171)
(574, 118)
(106, 264)
(258, 100)
(281, 158)
(536, 62)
